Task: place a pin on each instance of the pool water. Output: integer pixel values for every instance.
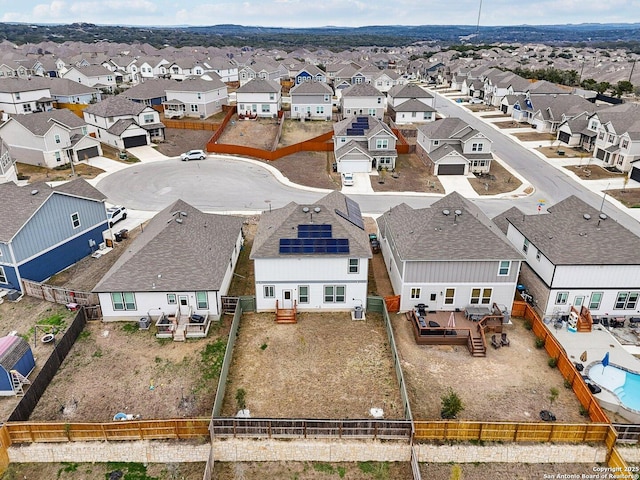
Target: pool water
(626, 385)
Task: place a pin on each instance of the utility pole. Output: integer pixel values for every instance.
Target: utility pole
(632, 67)
(478, 24)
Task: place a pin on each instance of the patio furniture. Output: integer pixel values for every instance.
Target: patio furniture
(504, 341)
(475, 313)
(494, 342)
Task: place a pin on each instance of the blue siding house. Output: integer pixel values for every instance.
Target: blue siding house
(44, 230)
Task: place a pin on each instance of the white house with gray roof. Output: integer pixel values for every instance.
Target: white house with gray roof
(448, 256)
(311, 100)
(196, 98)
(7, 164)
(50, 139)
(452, 147)
(123, 123)
(617, 142)
(25, 96)
(312, 257)
(363, 99)
(95, 76)
(410, 104)
(576, 256)
(184, 259)
(259, 97)
(363, 144)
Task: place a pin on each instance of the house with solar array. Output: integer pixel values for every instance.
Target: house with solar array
(312, 257)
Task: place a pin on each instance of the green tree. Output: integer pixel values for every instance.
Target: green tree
(623, 86)
(451, 404)
(603, 87)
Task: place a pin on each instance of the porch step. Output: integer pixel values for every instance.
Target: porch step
(286, 316)
(179, 335)
(477, 347)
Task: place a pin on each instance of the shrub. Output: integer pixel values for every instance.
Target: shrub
(584, 411)
(539, 342)
(567, 384)
(553, 395)
(241, 398)
(553, 362)
(451, 405)
(528, 325)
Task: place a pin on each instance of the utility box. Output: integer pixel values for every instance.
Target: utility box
(358, 313)
(144, 323)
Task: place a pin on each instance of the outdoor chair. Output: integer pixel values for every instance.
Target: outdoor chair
(504, 341)
(494, 342)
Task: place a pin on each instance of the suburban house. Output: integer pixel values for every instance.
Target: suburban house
(570, 259)
(452, 147)
(195, 97)
(363, 144)
(152, 67)
(223, 67)
(12, 68)
(25, 96)
(575, 132)
(259, 97)
(410, 104)
(386, 79)
(49, 139)
(497, 83)
(7, 164)
(546, 112)
(64, 91)
(184, 67)
(151, 91)
(312, 257)
(123, 123)
(181, 264)
(309, 73)
(311, 100)
(261, 70)
(95, 76)
(44, 230)
(448, 256)
(362, 99)
(617, 142)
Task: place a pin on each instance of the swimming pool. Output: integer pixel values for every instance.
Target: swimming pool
(623, 383)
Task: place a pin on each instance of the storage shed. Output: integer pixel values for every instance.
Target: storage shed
(15, 354)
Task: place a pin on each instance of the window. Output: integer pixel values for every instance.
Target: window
(84, 130)
(75, 220)
(475, 296)
(354, 265)
(382, 143)
(600, 135)
(57, 156)
(171, 298)
(612, 138)
(449, 294)
(594, 125)
(123, 301)
(327, 98)
(269, 291)
(303, 294)
(202, 301)
(486, 296)
(525, 246)
(265, 108)
(148, 118)
(199, 96)
(57, 138)
(415, 293)
(320, 109)
(272, 96)
(561, 298)
(379, 100)
(432, 297)
(625, 143)
(626, 301)
(3, 276)
(372, 112)
(436, 142)
(476, 147)
(26, 107)
(334, 293)
(505, 266)
(596, 300)
(17, 95)
(241, 107)
(194, 108)
(479, 295)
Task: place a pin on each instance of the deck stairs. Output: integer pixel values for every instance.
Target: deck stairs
(478, 348)
(286, 315)
(17, 379)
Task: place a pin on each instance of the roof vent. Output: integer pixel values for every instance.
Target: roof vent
(445, 212)
(603, 216)
(305, 209)
(34, 192)
(317, 209)
(586, 216)
(183, 214)
(458, 212)
(178, 220)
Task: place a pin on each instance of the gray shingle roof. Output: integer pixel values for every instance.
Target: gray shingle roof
(410, 90)
(427, 234)
(114, 107)
(565, 237)
(283, 223)
(18, 204)
(150, 88)
(413, 105)
(121, 125)
(260, 85)
(176, 257)
(64, 86)
(361, 90)
(312, 88)
(16, 85)
(14, 350)
(39, 123)
(450, 127)
(197, 85)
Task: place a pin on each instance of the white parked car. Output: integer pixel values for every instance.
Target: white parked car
(115, 214)
(475, 100)
(347, 179)
(193, 155)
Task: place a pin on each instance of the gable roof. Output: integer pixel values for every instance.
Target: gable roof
(197, 85)
(311, 88)
(410, 90)
(361, 90)
(260, 85)
(115, 107)
(150, 88)
(40, 123)
(17, 85)
(176, 257)
(12, 349)
(565, 237)
(283, 223)
(414, 105)
(19, 203)
(427, 234)
(447, 128)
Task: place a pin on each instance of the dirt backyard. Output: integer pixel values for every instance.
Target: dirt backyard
(324, 366)
(258, 133)
(499, 180)
(177, 141)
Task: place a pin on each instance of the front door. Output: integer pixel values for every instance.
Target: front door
(183, 303)
(286, 299)
(577, 303)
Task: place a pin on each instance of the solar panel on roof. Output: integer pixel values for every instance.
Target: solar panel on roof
(362, 119)
(314, 231)
(353, 215)
(313, 245)
(355, 131)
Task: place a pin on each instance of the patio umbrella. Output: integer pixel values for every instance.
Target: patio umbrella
(452, 321)
(583, 357)
(605, 361)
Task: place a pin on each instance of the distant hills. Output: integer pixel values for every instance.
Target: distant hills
(627, 35)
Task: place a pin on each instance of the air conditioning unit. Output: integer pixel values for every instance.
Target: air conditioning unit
(102, 246)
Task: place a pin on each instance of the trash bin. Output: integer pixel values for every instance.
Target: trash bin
(124, 233)
(357, 312)
(118, 236)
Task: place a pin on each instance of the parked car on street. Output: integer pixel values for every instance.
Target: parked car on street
(115, 214)
(347, 179)
(475, 101)
(193, 155)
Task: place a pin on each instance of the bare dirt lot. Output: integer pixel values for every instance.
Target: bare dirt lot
(511, 124)
(593, 172)
(567, 152)
(509, 384)
(259, 133)
(324, 366)
(499, 180)
(511, 471)
(312, 471)
(34, 174)
(178, 141)
(630, 197)
(312, 169)
(534, 137)
(411, 175)
(295, 131)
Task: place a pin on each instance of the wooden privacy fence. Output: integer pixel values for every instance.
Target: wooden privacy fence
(128, 430)
(565, 365)
(310, 428)
(513, 432)
(58, 294)
(190, 125)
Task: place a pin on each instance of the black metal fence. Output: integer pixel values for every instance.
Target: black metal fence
(627, 433)
(38, 385)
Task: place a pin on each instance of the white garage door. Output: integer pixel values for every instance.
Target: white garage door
(354, 166)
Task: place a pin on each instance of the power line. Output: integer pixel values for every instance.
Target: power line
(478, 24)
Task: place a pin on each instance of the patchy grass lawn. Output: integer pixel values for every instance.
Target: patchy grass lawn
(593, 172)
(34, 174)
(511, 124)
(324, 366)
(411, 175)
(629, 197)
(499, 180)
(569, 152)
(295, 131)
(312, 471)
(534, 137)
(114, 154)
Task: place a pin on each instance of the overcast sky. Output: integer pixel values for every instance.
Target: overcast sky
(310, 13)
